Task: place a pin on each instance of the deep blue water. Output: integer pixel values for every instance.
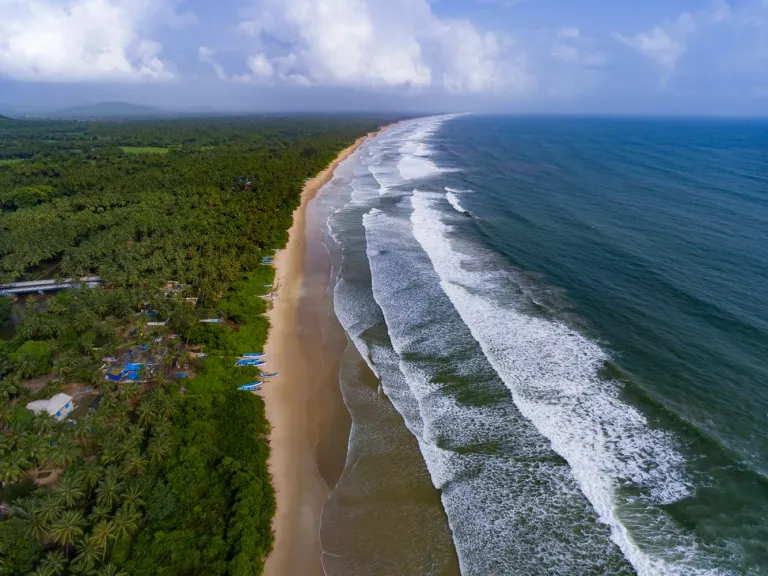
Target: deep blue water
(576, 331)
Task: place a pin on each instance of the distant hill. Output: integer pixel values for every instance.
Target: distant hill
(110, 110)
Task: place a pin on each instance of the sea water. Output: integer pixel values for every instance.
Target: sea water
(569, 319)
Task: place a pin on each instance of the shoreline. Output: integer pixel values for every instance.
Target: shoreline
(304, 406)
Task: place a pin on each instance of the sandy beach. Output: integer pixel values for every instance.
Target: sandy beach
(310, 424)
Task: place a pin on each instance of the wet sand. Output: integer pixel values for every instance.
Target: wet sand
(310, 423)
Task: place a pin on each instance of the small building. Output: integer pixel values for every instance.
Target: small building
(59, 406)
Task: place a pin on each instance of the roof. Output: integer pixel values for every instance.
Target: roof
(52, 405)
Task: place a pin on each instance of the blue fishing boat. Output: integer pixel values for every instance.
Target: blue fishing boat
(250, 387)
(250, 362)
(253, 355)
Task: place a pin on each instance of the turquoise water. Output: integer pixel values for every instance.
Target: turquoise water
(571, 317)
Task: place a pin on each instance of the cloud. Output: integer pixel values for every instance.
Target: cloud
(83, 40)
(667, 43)
(378, 44)
(571, 47)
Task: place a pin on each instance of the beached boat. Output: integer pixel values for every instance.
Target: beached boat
(252, 355)
(250, 387)
(270, 375)
(250, 362)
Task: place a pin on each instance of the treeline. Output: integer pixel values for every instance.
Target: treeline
(137, 218)
(166, 476)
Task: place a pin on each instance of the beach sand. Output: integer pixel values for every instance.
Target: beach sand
(310, 424)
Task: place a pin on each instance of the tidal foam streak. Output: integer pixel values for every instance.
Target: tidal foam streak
(552, 373)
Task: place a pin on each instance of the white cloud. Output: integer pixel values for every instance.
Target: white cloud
(667, 43)
(260, 66)
(571, 47)
(378, 44)
(77, 40)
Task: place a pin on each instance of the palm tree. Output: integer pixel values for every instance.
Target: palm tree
(120, 425)
(91, 474)
(110, 487)
(71, 489)
(129, 391)
(50, 508)
(29, 511)
(99, 512)
(102, 533)
(125, 523)
(44, 423)
(27, 366)
(158, 450)
(64, 452)
(132, 497)
(82, 322)
(8, 388)
(135, 463)
(147, 413)
(7, 414)
(13, 467)
(166, 406)
(64, 366)
(36, 448)
(83, 431)
(136, 435)
(88, 553)
(53, 564)
(109, 570)
(67, 528)
(111, 449)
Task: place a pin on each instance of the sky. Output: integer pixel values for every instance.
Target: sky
(692, 57)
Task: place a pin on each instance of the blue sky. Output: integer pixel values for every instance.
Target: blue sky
(538, 56)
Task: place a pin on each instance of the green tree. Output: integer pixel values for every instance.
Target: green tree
(18, 553)
(71, 488)
(50, 508)
(67, 528)
(64, 366)
(88, 554)
(125, 523)
(53, 564)
(147, 413)
(33, 358)
(13, 467)
(109, 570)
(44, 423)
(29, 513)
(102, 534)
(129, 391)
(63, 452)
(99, 512)
(134, 463)
(158, 449)
(92, 473)
(133, 496)
(110, 487)
(35, 448)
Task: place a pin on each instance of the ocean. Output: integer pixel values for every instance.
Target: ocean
(558, 347)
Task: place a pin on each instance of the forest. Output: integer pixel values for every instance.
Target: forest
(160, 465)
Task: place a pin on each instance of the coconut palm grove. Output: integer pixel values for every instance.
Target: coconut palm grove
(132, 265)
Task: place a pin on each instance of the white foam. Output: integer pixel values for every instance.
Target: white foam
(494, 503)
(416, 167)
(552, 373)
(454, 201)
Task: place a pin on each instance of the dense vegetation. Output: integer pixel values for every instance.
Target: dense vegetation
(165, 475)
